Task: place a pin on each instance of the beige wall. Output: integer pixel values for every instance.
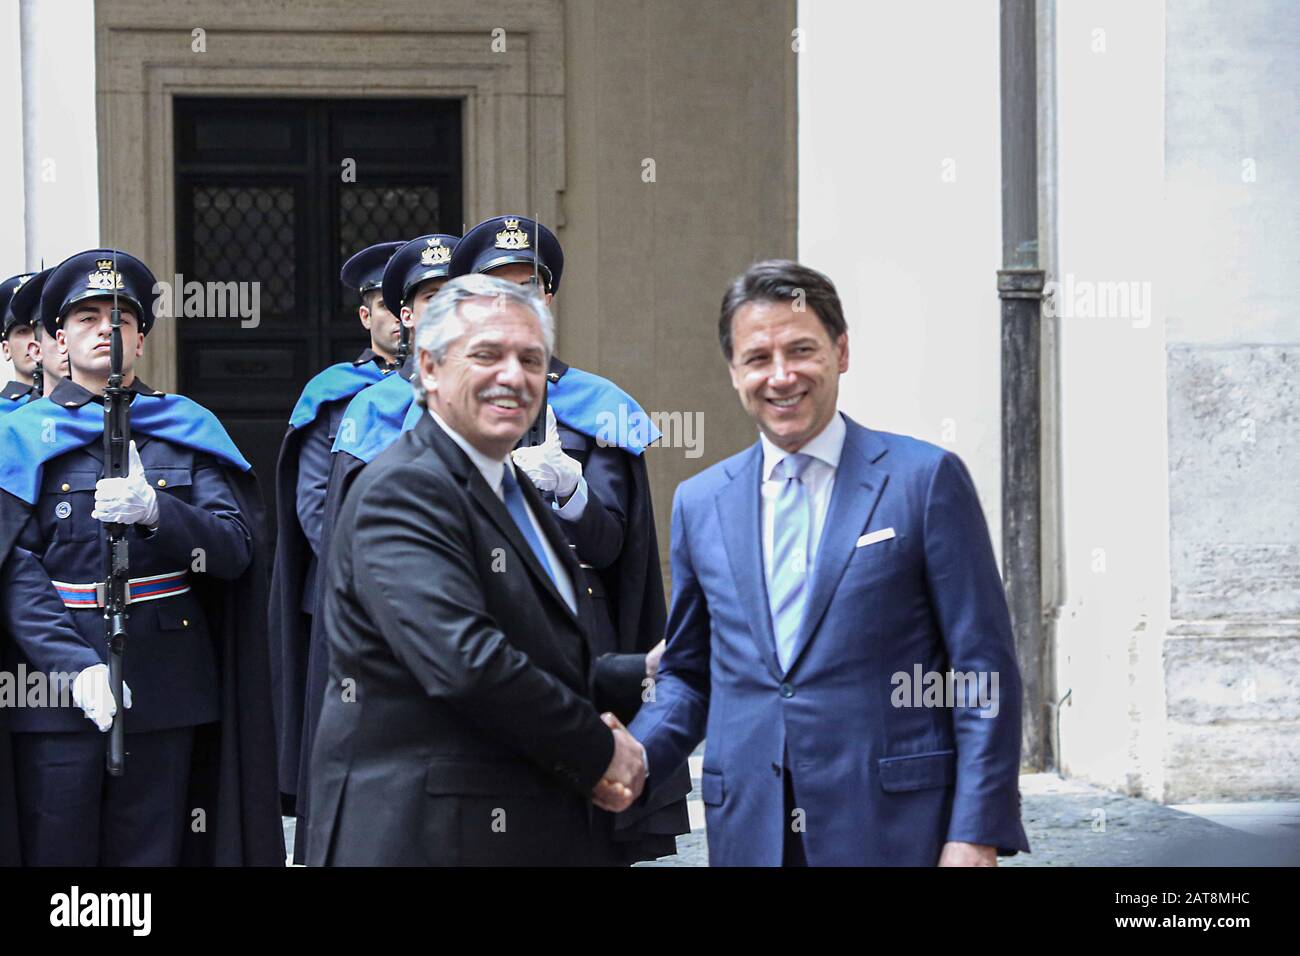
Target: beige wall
(558, 126)
(711, 99)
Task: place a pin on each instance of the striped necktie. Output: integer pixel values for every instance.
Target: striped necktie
(788, 574)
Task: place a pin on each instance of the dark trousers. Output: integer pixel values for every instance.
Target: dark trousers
(792, 853)
(72, 813)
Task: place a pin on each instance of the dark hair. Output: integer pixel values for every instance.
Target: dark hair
(780, 280)
(370, 297)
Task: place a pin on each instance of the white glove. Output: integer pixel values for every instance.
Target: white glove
(546, 465)
(90, 692)
(129, 500)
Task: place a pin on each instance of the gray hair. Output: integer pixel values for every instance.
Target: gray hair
(441, 324)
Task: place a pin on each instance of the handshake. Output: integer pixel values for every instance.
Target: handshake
(624, 779)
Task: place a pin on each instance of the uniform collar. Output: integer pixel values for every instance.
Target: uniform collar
(826, 446)
(15, 390)
(370, 355)
(71, 395)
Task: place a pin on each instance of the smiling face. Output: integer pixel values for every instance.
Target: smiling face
(85, 333)
(488, 386)
(786, 370)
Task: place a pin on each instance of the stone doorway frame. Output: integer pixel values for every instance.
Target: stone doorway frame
(513, 100)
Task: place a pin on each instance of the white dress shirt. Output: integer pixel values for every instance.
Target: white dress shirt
(818, 480)
(493, 472)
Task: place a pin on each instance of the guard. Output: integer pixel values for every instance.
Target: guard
(199, 781)
(18, 338)
(51, 363)
(302, 476)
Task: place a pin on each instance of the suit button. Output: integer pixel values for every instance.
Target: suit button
(589, 591)
(786, 691)
(66, 487)
(162, 482)
(185, 622)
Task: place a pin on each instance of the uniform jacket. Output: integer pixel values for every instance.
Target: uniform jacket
(192, 658)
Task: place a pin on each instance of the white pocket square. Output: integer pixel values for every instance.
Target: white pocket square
(871, 537)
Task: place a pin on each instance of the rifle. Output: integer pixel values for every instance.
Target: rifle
(117, 445)
(38, 370)
(403, 343)
(536, 434)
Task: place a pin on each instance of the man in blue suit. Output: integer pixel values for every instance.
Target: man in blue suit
(838, 628)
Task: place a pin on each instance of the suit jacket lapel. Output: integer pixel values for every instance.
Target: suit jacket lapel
(858, 485)
(741, 517)
(494, 508)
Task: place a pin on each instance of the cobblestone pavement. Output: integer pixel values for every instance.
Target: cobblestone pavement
(1070, 823)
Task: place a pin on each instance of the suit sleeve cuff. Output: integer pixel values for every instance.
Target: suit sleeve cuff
(595, 761)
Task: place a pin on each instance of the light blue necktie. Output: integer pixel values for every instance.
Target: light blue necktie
(788, 574)
(514, 499)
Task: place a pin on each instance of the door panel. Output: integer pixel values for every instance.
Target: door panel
(261, 197)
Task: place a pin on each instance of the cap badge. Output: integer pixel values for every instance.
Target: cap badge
(435, 253)
(104, 276)
(512, 237)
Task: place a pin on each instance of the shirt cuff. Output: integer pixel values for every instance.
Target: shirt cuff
(576, 504)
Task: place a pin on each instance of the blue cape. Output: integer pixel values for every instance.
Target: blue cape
(338, 381)
(373, 419)
(41, 431)
(594, 406)
(7, 406)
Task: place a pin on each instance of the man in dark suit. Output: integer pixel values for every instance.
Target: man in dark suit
(460, 724)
